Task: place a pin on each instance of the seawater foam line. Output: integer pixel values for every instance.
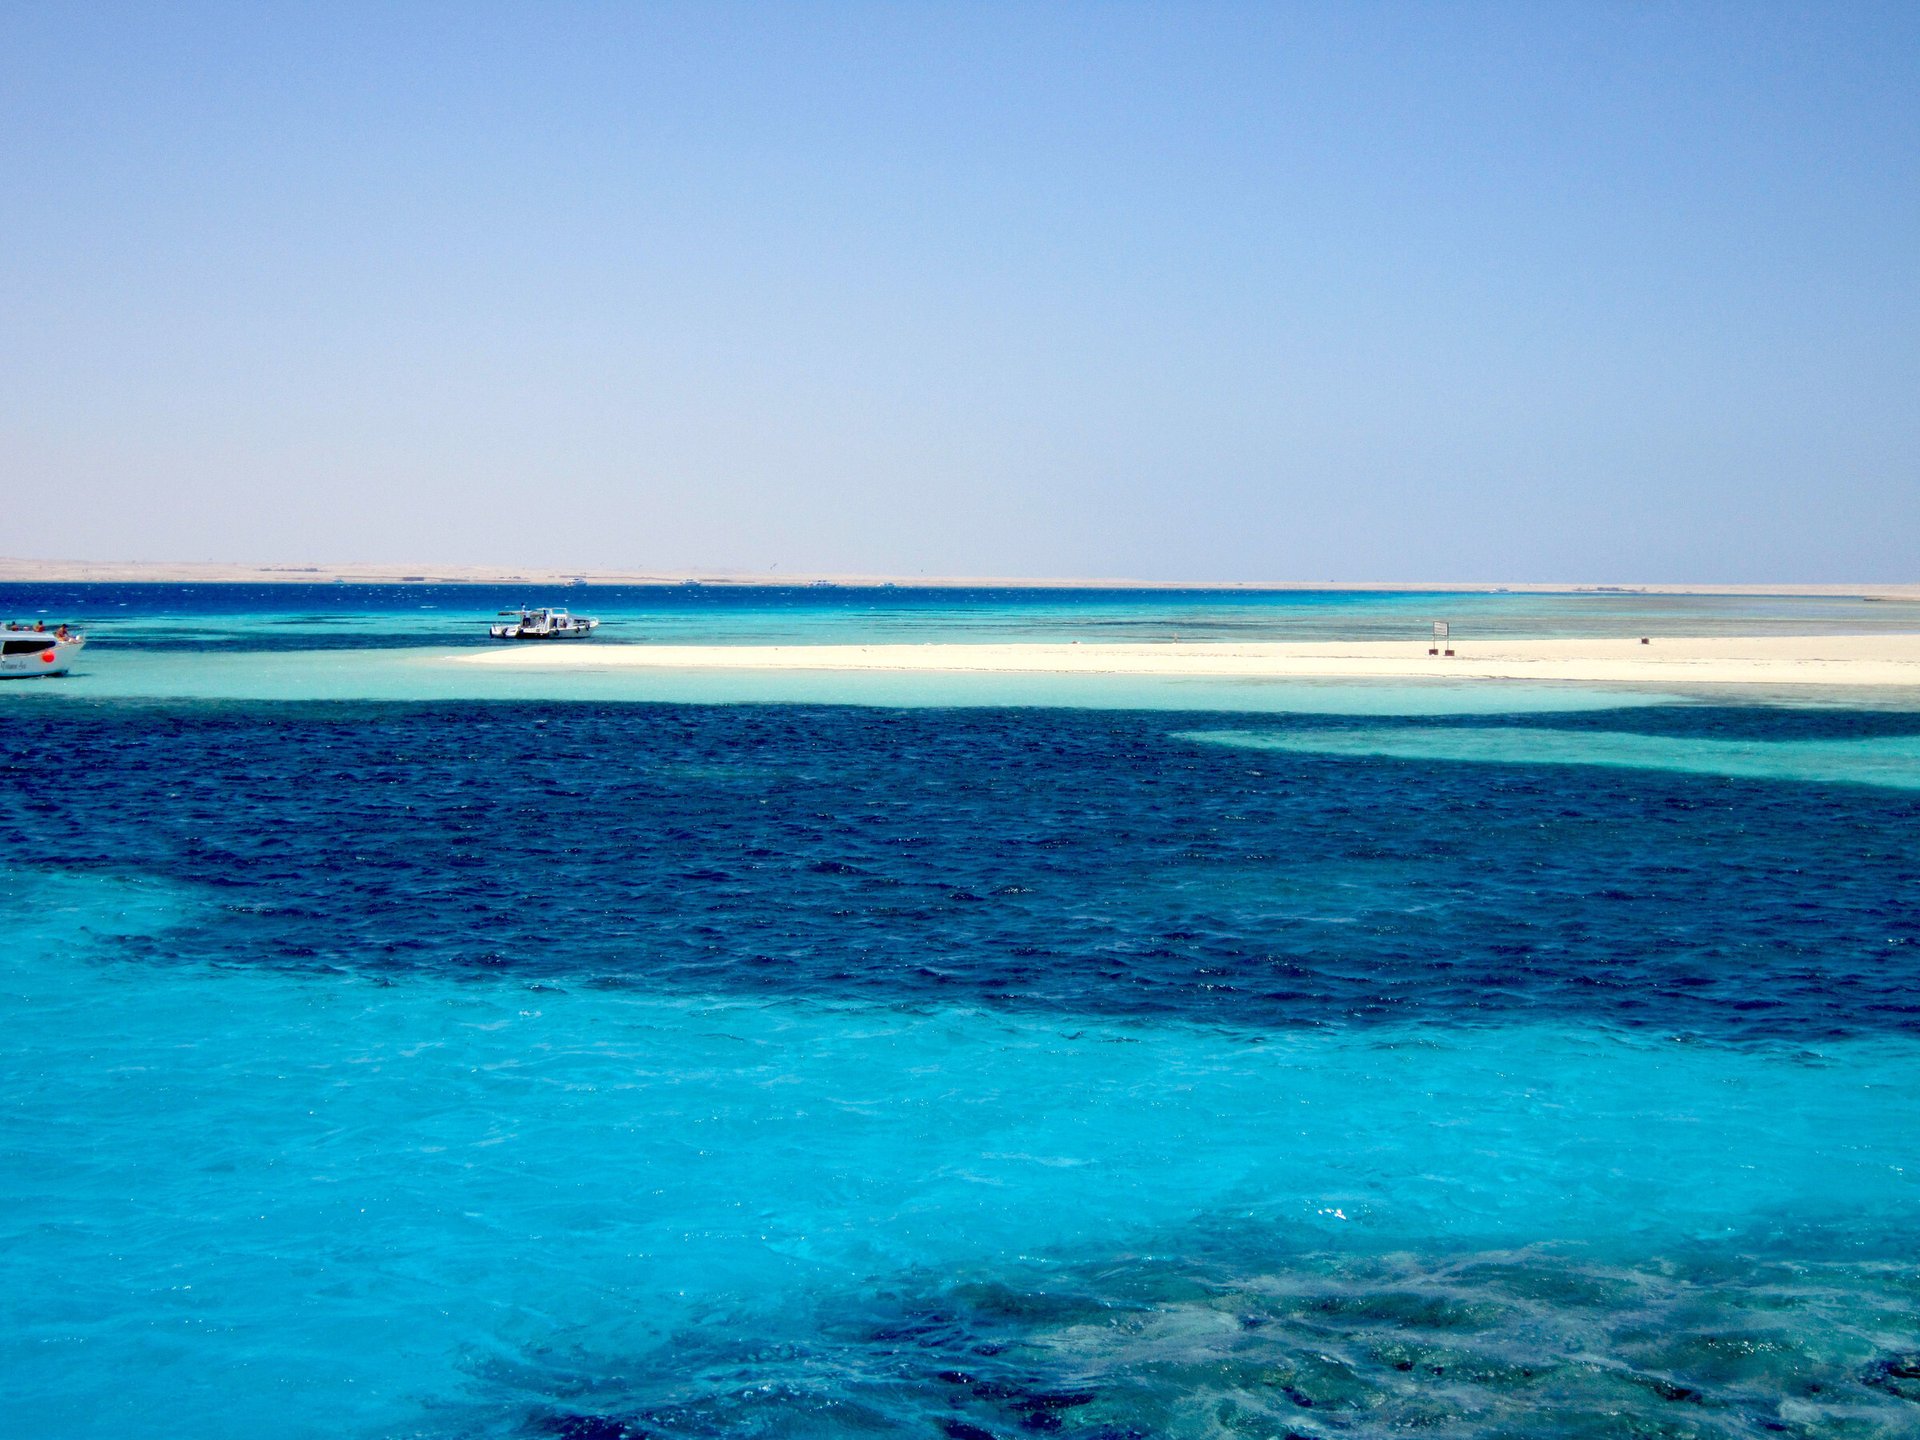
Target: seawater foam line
(1891, 762)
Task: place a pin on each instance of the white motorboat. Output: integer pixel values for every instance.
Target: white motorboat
(25, 653)
(544, 623)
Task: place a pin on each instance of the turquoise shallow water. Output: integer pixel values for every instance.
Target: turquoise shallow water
(317, 1205)
(683, 1059)
(1890, 761)
(258, 618)
(323, 641)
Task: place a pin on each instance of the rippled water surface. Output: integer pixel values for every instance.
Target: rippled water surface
(585, 1067)
(319, 616)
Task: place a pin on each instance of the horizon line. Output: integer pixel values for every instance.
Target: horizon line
(20, 570)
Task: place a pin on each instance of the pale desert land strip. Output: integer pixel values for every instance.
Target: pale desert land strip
(1836, 660)
(107, 572)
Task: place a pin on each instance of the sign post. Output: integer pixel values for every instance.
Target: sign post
(1440, 637)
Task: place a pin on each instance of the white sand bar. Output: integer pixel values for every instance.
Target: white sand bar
(1797, 660)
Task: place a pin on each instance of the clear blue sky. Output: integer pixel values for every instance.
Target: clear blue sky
(1528, 291)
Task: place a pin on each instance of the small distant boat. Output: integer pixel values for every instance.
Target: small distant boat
(544, 623)
(37, 652)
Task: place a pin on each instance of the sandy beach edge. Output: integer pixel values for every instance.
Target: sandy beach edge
(1833, 660)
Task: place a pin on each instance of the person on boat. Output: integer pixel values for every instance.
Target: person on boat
(61, 633)
(39, 627)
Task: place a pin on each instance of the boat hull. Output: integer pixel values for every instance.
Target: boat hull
(26, 657)
(546, 622)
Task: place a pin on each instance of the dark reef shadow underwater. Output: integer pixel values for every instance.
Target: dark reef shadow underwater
(1085, 863)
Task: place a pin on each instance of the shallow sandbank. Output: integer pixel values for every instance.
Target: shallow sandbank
(1864, 660)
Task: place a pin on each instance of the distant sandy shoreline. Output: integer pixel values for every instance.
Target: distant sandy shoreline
(1837, 660)
(221, 572)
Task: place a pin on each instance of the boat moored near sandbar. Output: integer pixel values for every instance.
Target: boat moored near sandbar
(544, 623)
(26, 653)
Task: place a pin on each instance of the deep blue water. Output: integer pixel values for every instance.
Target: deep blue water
(1078, 863)
(593, 1070)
